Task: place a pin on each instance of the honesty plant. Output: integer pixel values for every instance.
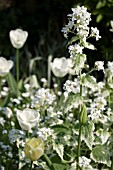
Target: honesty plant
(66, 127)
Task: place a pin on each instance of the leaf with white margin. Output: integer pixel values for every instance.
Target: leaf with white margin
(87, 134)
(73, 101)
(79, 62)
(89, 81)
(103, 135)
(100, 154)
(59, 148)
(43, 164)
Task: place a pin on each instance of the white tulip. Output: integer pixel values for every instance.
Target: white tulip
(59, 67)
(27, 118)
(18, 37)
(111, 22)
(5, 66)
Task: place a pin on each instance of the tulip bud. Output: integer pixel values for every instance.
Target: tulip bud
(83, 116)
(34, 148)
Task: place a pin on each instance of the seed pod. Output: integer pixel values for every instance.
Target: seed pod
(83, 116)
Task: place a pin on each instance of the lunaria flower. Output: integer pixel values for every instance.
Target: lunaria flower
(59, 67)
(27, 118)
(99, 65)
(43, 97)
(34, 148)
(18, 38)
(5, 66)
(95, 33)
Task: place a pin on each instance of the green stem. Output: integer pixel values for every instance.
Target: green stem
(17, 65)
(48, 161)
(80, 130)
(93, 69)
(81, 90)
(79, 144)
(59, 84)
(31, 165)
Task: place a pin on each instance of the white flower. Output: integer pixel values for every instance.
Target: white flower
(99, 65)
(2, 121)
(5, 66)
(8, 112)
(27, 118)
(75, 49)
(59, 67)
(18, 38)
(79, 21)
(84, 162)
(95, 33)
(43, 97)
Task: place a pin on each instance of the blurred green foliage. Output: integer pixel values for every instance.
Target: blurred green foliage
(44, 20)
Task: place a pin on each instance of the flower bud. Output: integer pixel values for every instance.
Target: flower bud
(83, 116)
(34, 148)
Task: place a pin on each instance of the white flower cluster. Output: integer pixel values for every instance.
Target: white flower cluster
(96, 108)
(95, 33)
(15, 134)
(75, 49)
(99, 65)
(82, 19)
(43, 97)
(72, 86)
(44, 133)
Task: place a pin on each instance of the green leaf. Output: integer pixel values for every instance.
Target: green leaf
(43, 164)
(89, 46)
(99, 18)
(89, 81)
(59, 166)
(32, 62)
(33, 81)
(73, 39)
(100, 154)
(87, 134)
(73, 101)
(103, 135)
(12, 83)
(59, 148)
(79, 62)
(6, 100)
(20, 84)
(61, 128)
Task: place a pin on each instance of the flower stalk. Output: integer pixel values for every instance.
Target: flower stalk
(48, 161)
(79, 144)
(17, 65)
(80, 130)
(31, 165)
